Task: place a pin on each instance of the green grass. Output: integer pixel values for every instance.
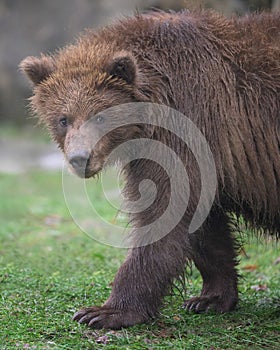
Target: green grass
(30, 131)
(50, 269)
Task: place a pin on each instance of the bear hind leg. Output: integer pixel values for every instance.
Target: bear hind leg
(213, 253)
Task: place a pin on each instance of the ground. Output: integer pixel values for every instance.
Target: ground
(49, 269)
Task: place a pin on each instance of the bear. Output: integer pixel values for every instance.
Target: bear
(221, 73)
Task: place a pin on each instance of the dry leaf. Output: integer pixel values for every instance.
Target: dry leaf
(104, 339)
(250, 267)
(52, 220)
(259, 287)
(176, 318)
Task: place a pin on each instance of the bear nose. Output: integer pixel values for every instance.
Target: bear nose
(79, 160)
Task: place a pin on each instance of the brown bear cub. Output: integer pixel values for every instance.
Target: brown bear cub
(222, 74)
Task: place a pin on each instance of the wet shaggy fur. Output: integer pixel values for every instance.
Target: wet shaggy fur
(223, 74)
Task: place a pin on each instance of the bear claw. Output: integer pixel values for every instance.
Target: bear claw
(107, 317)
(207, 303)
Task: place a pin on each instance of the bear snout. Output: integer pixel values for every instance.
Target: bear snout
(79, 161)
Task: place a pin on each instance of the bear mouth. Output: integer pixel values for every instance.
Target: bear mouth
(86, 170)
(86, 173)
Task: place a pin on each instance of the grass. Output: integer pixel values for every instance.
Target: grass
(50, 269)
(31, 130)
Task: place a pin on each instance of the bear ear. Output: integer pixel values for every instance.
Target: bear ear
(37, 69)
(123, 66)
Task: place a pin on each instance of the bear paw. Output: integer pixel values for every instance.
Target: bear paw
(207, 303)
(107, 317)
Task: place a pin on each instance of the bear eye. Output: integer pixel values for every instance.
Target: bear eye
(99, 119)
(63, 122)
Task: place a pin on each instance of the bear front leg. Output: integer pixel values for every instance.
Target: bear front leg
(214, 255)
(140, 284)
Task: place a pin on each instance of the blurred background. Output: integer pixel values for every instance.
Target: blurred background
(30, 27)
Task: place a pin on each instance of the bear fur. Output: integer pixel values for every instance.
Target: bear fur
(223, 74)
